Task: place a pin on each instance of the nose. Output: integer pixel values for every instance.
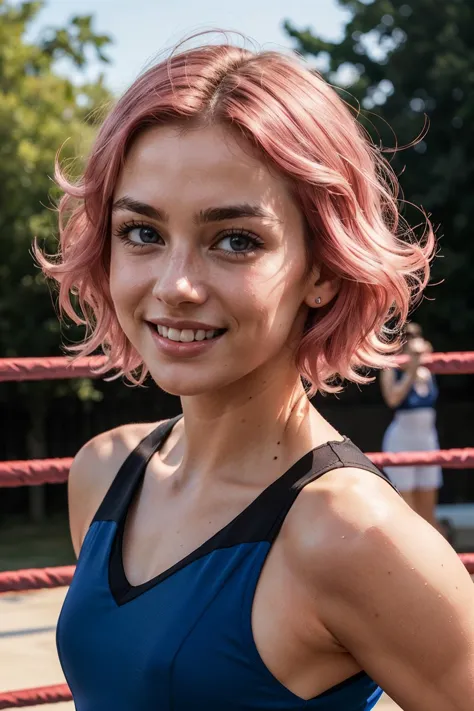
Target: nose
(180, 281)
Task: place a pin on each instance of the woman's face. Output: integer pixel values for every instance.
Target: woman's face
(209, 272)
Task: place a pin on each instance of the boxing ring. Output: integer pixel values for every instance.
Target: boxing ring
(55, 471)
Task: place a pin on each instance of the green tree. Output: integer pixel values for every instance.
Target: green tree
(39, 111)
(406, 61)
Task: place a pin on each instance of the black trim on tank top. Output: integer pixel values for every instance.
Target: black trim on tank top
(120, 493)
(260, 521)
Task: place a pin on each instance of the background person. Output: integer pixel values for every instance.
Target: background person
(412, 392)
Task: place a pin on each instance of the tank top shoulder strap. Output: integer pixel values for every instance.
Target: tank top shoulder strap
(130, 473)
(339, 455)
(325, 458)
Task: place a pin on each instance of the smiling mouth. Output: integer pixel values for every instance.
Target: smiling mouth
(187, 335)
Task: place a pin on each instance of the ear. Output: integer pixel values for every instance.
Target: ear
(322, 288)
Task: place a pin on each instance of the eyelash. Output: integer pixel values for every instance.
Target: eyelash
(123, 231)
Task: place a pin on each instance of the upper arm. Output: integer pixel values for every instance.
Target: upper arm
(92, 472)
(90, 476)
(395, 390)
(387, 381)
(400, 601)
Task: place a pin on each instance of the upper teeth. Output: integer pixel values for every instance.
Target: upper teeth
(185, 335)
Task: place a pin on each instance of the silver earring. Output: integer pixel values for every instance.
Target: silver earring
(318, 300)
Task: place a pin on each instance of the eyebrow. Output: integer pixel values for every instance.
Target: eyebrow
(232, 212)
(211, 214)
(141, 208)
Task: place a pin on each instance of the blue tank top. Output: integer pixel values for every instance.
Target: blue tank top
(414, 400)
(183, 640)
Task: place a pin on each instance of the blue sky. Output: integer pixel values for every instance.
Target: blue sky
(143, 28)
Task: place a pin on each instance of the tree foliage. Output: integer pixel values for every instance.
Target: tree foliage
(409, 62)
(39, 112)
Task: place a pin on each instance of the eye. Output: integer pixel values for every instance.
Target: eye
(239, 242)
(138, 234)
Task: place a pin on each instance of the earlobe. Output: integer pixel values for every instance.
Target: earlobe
(314, 302)
(322, 292)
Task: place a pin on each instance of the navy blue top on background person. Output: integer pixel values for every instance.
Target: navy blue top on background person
(417, 398)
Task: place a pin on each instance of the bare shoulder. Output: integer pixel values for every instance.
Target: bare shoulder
(350, 518)
(93, 470)
(341, 508)
(351, 531)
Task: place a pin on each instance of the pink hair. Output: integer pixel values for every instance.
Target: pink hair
(345, 189)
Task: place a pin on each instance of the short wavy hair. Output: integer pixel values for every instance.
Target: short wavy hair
(346, 191)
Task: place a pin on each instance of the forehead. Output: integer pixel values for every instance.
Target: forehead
(203, 165)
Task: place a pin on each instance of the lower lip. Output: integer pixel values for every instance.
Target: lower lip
(180, 349)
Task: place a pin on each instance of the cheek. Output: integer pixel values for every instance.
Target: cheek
(127, 283)
(273, 297)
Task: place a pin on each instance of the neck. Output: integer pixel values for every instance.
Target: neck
(249, 431)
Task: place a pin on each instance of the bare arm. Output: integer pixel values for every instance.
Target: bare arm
(92, 472)
(398, 600)
(88, 482)
(395, 391)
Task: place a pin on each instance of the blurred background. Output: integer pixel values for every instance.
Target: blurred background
(409, 64)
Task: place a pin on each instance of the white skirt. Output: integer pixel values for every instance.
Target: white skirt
(413, 431)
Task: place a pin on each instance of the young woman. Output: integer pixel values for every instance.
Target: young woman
(233, 236)
(412, 392)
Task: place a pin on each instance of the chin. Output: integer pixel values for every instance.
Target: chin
(184, 384)
(180, 389)
(189, 380)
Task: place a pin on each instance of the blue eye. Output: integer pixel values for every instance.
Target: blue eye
(144, 235)
(137, 234)
(239, 242)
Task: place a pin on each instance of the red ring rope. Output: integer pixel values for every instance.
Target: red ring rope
(49, 368)
(31, 472)
(36, 578)
(447, 458)
(62, 367)
(35, 697)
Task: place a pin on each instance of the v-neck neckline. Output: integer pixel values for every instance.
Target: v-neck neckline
(240, 529)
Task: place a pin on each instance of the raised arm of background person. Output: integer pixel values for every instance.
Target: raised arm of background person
(394, 390)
